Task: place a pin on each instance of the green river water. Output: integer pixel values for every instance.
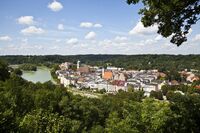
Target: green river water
(41, 75)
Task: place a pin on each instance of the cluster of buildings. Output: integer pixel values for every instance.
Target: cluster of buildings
(110, 79)
(189, 75)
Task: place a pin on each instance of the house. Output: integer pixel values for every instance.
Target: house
(110, 88)
(107, 75)
(195, 78)
(103, 85)
(190, 77)
(83, 69)
(197, 87)
(161, 74)
(81, 80)
(65, 66)
(114, 68)
(65, 81)
(147, 88)
(120, 76)
(92, 85)
(119, 85)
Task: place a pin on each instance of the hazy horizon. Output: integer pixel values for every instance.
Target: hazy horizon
(97, 54)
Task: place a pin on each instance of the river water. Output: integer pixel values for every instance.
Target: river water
(41, 75)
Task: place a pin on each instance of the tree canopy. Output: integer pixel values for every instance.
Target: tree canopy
(4, 74)
(49, 108)
(173, 17)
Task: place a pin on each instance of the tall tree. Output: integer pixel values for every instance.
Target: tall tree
(173, 17)
(4, 74)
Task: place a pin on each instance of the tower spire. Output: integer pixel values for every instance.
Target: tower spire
(78, 64)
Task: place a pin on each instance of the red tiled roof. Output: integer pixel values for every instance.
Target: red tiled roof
(118, 83)
(197, 87)
(195, 78)
(108, 75)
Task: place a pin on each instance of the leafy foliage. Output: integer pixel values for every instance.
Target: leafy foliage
(3, 71)
(28, 67)
(173, 17)
(29, 107)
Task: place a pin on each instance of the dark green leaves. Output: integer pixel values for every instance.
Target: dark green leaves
(173, 17)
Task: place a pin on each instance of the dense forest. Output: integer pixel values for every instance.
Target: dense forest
(28, 67)
(29, 107)
(161, 62)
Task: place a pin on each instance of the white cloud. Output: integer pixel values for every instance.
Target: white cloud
(140, 29)
(72, 41)
(58, 40)
(27, 20)
(197, 38)
(24, 40)
(105, 42)
(158, 38)
(55, 6)
(91, 35)
(149, 42)
(121, 33)
(121, 38)
(86, 24)
(61, 27)
(32, 30)
(98, 25)
(90, 25)
(5, 38)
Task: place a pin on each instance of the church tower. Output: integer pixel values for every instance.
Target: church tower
(78, 64)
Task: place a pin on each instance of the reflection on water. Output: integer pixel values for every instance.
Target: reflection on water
(41, 75)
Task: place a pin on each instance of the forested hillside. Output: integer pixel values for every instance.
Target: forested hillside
(166, 62)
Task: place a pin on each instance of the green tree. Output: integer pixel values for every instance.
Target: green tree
(173, 75)
(186, 110)
(4, 74)
(173, 17)
(97, 129)
(7, 112)
(130, 88)
(42, 121)
(157, 116)
(102, 91)
(148, 116)
(156, 94)
(28, 67)
(17, 71)
(115, 124)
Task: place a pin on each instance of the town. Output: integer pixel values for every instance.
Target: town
(113, 79)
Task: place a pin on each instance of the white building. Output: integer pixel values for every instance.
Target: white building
(114, 68)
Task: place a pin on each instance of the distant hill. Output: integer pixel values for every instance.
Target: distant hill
(161, 62)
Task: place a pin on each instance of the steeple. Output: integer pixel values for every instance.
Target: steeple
(103, 72)
(78, 64)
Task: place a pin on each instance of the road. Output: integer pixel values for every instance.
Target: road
(88, 94)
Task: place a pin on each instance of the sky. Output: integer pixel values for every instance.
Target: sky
(70, 27)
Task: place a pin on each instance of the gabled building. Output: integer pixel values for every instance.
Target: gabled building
(83, 69)
(107, 75)
(120, 76)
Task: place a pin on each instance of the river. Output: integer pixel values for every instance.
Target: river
(41, 75)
